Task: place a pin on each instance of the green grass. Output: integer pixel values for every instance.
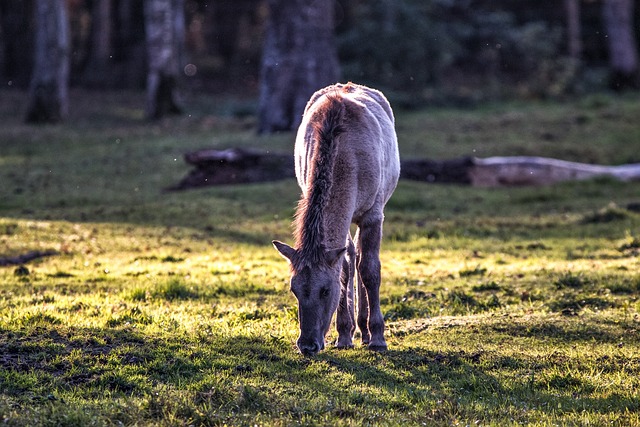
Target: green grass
(504, 306)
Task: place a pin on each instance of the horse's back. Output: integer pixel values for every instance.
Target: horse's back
(367, 159)
(366, 95)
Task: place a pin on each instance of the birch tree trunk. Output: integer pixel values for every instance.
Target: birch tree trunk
(165, 29)
(623, 57)
(299, 57)
(49, 89)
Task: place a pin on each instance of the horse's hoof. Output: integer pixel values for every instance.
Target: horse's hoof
(344, 346)
(377, 347)
(344, 343)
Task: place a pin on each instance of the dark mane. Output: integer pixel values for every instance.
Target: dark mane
(309, 220)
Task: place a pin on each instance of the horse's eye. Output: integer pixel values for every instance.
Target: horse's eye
(324, 292)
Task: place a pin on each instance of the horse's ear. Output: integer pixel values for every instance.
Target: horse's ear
(285, 250)
(334, 255)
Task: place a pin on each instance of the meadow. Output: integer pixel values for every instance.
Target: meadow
(504, 306)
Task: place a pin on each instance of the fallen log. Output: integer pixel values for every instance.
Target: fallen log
(26, 257)
(235, 166)
(238, 166)
(519, 171)
(452, 171)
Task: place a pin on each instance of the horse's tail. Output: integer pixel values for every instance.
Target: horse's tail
(330, 124)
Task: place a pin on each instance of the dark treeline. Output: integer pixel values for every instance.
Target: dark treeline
(108, 46)
(419, 52)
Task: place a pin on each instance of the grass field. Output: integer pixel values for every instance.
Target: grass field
(504, 306)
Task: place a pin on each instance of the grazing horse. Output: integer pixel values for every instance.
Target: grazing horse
(347, 165)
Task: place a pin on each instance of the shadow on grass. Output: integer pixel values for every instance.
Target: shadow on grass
(445, 386)
(209, 376)
(566, 328)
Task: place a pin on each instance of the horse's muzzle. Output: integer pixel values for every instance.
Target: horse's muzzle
(309, 348)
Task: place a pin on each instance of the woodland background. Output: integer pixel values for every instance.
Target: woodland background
(438, 52)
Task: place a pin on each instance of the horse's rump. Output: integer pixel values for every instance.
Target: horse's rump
(363, 114)
(346, 160)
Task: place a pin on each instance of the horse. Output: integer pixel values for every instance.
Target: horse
(347, 166)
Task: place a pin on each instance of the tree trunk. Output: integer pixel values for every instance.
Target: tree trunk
(48, 93)
(129, 47)
(299, 57)
(574, 37)
(623, 57)
(165, 29)
(97, 72)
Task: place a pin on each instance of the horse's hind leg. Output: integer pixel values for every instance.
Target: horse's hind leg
(363, 300)
(368, 265)
(345, 319)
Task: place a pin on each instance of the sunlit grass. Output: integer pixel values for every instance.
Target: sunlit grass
(503, 306)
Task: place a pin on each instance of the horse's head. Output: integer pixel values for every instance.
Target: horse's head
(317, 288)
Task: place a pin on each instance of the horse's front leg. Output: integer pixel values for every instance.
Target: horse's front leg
(368, 255)
(345, 319)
